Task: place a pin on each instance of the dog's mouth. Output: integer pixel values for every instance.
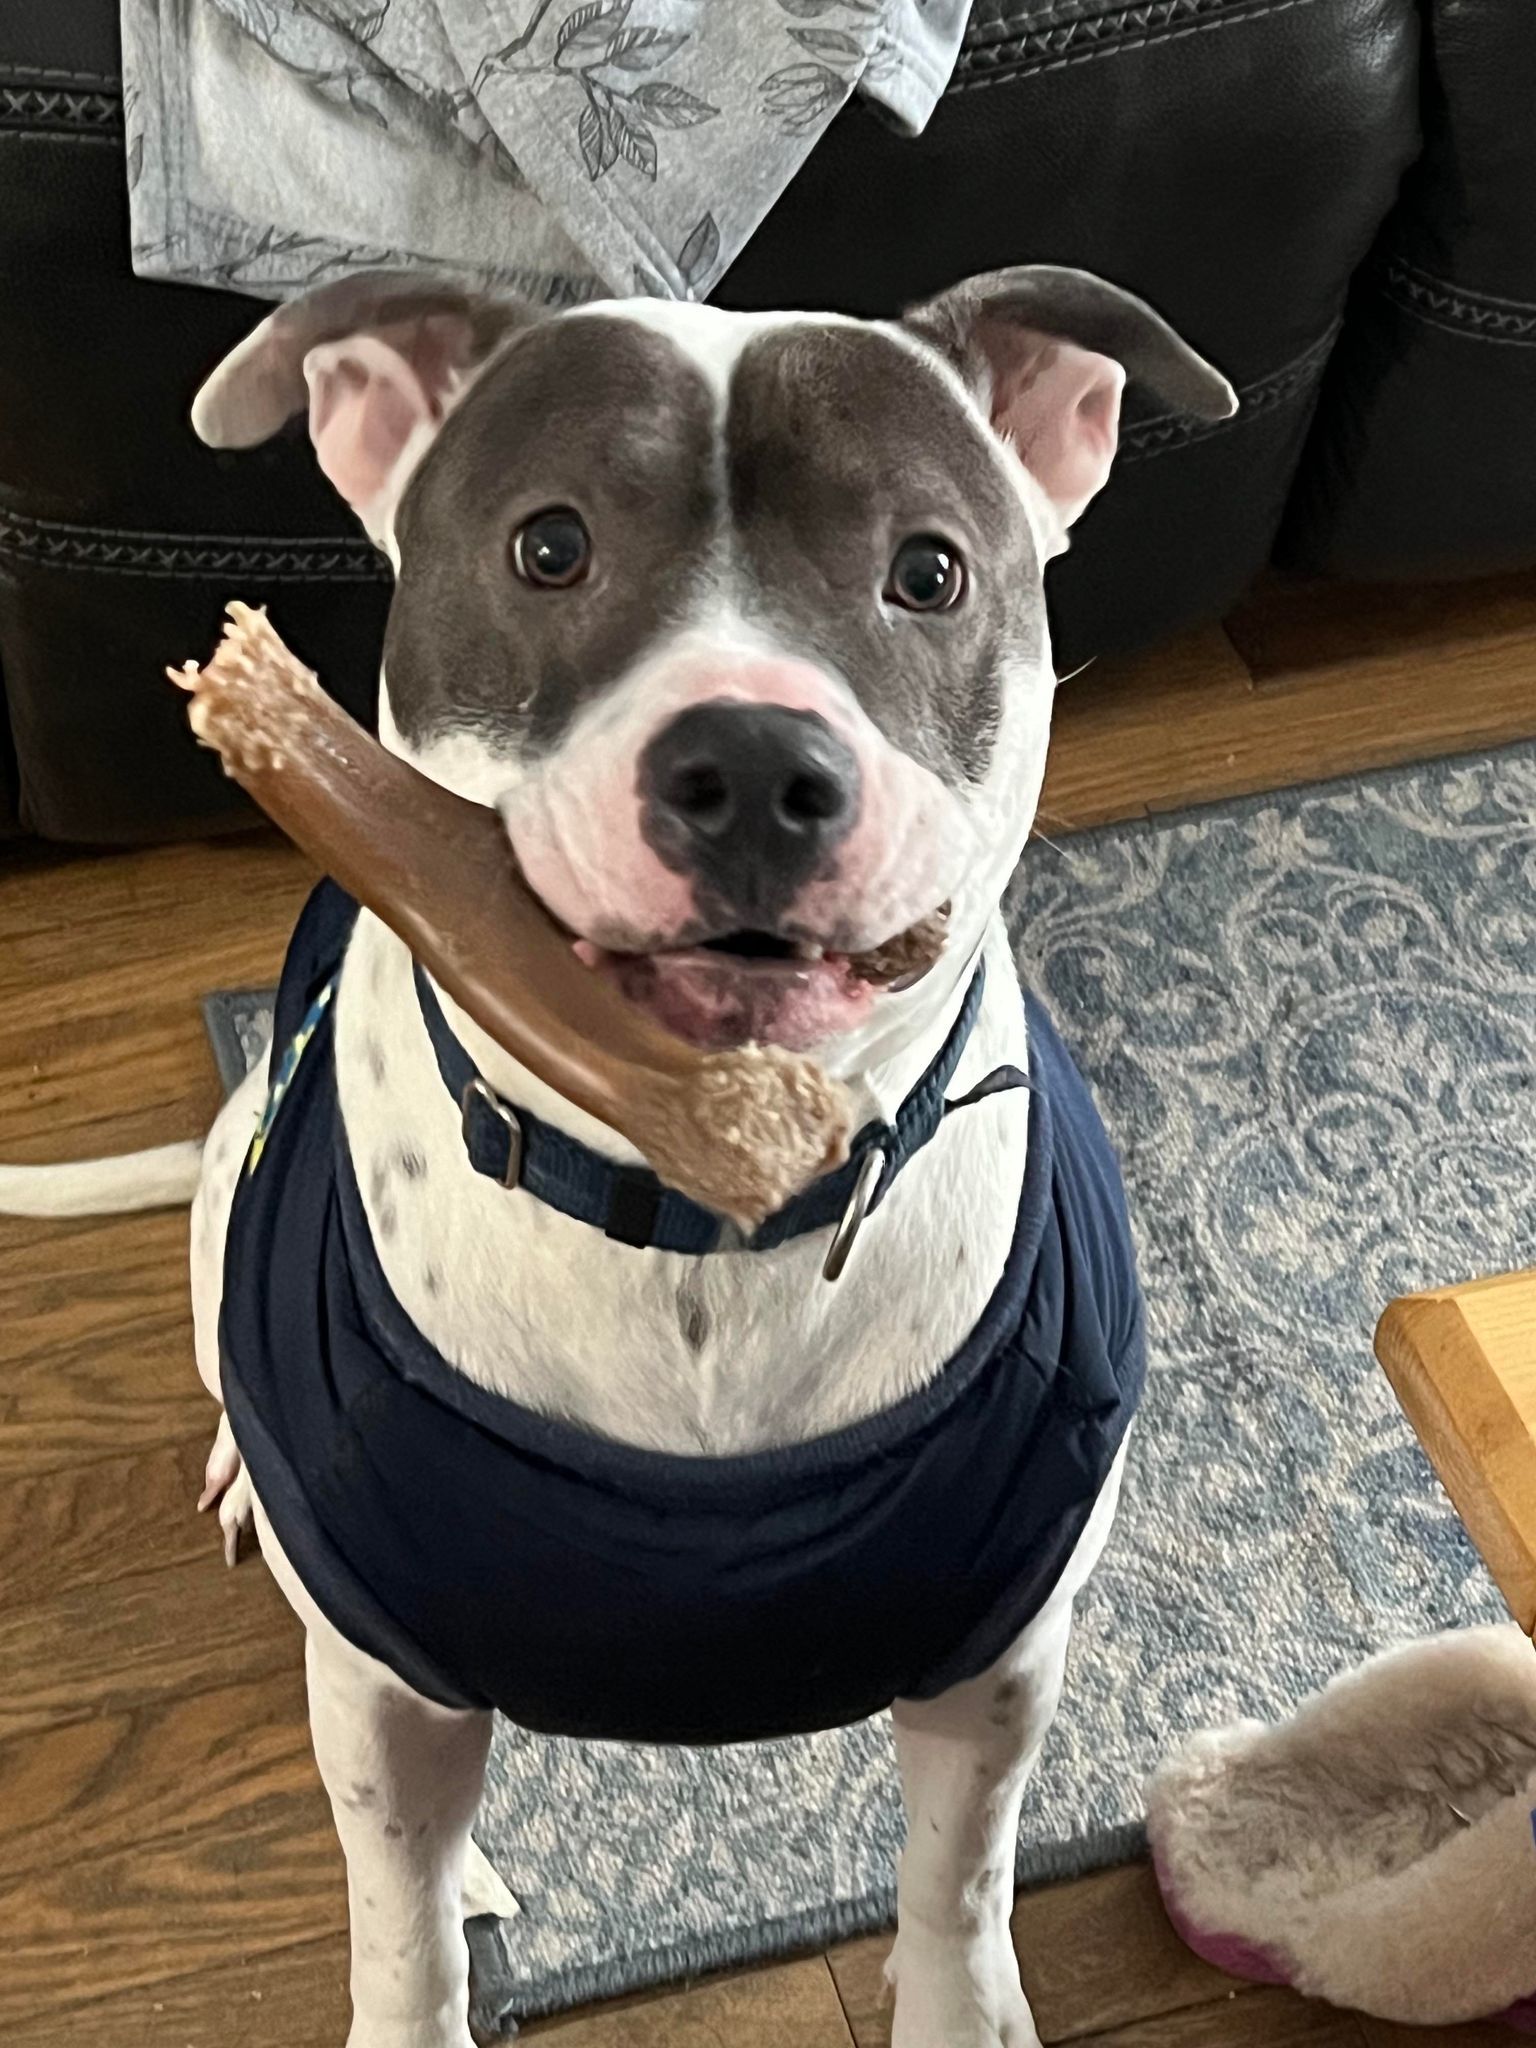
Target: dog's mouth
(766, 988)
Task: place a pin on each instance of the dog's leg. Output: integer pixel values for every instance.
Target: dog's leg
(227, 1486)
(965, 1760)
(404, 1778)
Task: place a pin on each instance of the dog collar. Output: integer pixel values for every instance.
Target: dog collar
(630, 1204)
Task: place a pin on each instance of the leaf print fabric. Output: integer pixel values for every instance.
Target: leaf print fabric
(562, 149)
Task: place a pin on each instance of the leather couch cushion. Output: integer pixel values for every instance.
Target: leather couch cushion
(1422, 462)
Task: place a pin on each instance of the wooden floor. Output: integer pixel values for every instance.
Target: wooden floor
(168, 1877)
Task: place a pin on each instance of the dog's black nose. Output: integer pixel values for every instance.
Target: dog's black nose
(751, 799)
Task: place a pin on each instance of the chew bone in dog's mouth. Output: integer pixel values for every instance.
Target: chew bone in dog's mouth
(760, 987)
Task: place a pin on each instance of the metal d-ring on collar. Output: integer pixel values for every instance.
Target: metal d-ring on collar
(630, 1204)
(860, 1202)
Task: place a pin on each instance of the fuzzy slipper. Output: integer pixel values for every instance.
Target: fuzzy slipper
(1378, 1850)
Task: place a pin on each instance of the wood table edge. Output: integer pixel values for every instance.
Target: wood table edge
(1458, 1406)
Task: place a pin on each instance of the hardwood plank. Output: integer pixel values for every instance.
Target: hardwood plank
(107, 1081)
(858, 1971)
(294, 1997)
(1247, 2019)
(1099, 1953)
(789, 2005)
(1094, 1954)
(160, 1635)
(95, 1341)
(101, 979)
(1303, 684)
(271, 1878)
(1165, 728)
(78, 1791)
(1384, 2034)
(1288, 627)
(211, 900)
(89, 1524)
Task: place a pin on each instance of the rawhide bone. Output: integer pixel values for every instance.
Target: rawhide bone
(740, 1132)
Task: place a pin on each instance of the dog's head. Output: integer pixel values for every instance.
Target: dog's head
(738, 619)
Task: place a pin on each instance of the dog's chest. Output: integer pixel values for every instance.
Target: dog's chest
(723, 1353)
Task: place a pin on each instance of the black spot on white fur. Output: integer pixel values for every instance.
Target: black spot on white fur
(1005, 1703)
(692, 1316)
(412, 1163)
(373, 1053)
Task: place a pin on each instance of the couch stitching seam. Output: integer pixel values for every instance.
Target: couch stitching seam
(1456, 309)
(1001, 69)
(1093, 20)
(55, 108)
(113, 550)
(45, 74)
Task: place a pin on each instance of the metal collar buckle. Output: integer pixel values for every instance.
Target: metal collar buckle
(864, 1190)
(476, 1088)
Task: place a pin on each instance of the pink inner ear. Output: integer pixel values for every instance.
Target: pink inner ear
(1060, 407)
(365, 403)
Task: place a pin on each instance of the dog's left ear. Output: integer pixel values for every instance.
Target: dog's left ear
(1047, 352)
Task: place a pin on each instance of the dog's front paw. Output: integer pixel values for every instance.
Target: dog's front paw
(226, 1481)
(956, 1991)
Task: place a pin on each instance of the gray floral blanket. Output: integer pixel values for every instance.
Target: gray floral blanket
(564, 149)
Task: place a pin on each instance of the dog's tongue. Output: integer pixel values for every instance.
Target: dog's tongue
(719, 1000)
(717, 1003)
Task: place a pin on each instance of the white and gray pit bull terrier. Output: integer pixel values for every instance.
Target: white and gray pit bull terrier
(738, 621)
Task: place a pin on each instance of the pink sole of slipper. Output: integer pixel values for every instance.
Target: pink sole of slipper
(1245, 1959)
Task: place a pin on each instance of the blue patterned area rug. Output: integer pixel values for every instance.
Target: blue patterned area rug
(1310, 1020)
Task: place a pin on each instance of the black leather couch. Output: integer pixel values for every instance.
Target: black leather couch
(1336, 199)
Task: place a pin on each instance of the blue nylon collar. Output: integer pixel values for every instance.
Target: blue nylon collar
(631, 1204)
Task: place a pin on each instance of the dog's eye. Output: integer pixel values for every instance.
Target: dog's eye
(927, 574)
(552, 550)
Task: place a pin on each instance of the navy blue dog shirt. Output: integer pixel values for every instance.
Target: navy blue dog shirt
(491, 1556)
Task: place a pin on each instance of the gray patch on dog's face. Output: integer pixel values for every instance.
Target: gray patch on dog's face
(841, 443)
(607, 418)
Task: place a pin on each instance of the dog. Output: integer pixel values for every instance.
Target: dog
(738, 621)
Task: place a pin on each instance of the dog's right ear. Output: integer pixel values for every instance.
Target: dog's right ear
(377, 358)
